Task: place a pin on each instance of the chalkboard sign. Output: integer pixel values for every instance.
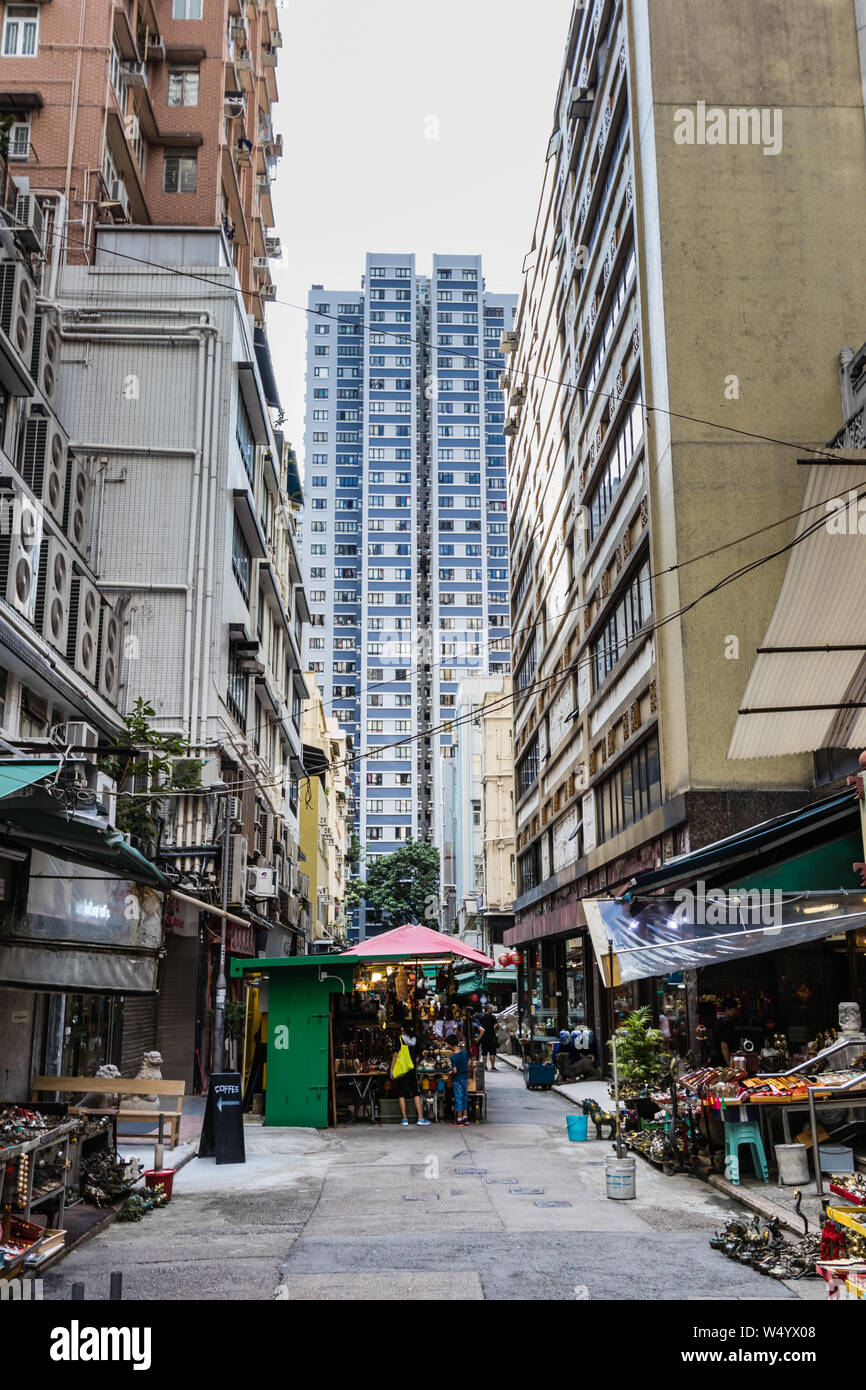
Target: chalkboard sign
(222, 1134)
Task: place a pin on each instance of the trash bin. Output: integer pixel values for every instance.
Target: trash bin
(577, 1125)
(792, 1160)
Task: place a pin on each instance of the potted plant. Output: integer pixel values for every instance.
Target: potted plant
(641, 1059)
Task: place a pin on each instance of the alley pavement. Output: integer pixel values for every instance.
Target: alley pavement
(509, 1209)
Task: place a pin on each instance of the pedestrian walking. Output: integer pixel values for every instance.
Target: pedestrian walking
(487, 1039)
(406, 1077)
(460, 1081)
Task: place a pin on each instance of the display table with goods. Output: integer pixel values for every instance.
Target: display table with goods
(52, 1166)
(34, 1164)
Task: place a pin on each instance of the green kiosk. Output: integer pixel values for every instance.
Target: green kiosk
(299, 1032)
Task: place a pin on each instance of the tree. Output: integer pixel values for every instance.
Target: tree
(402, 886)
(158, 760)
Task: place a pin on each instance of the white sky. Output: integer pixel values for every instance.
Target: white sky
(362, 84)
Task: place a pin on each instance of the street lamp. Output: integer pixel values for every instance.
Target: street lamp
(219, 1027)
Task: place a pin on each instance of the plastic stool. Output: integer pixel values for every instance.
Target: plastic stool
(738, 1132)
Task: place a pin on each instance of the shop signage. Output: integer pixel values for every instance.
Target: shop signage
(222, 1135)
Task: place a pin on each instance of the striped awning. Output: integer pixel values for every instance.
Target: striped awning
(807, 688)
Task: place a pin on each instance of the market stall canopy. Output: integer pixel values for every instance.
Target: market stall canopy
(660, 935)
(38, 819)
(412, 942)
(813, 655)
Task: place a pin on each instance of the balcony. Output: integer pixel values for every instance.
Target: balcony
(244, 70)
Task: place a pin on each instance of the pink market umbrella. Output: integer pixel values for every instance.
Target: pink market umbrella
(411, 942)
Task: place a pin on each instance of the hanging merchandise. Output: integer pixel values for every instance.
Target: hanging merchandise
(402, 984)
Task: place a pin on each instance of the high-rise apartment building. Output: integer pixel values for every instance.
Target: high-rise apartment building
(406, 528)
(685, 299)
(148, 111)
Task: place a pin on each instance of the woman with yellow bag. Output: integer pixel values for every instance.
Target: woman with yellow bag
(404, 1073)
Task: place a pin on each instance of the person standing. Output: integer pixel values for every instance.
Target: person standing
(407, 1084)
(726, 1035)
(487, 1038)
(460, 1081)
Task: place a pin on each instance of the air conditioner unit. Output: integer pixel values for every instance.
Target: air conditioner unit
(45, 355)
(132, 128)
(134, 75)
(234, 104)
(109, 653)
(19, 564)
(278, 146)
(81, 735)
(119, 196)
(508, 342)
(237, 868)
(273, 246)
(105, 788)
(53, 593)
(17, 306)
(83, 641)
(236, 809)
(261, 883)
(30, 222)
(44, 460)
(76, 509)
(268, 292)
(260, 262)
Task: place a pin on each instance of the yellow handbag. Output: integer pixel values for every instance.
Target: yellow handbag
(402, 1062)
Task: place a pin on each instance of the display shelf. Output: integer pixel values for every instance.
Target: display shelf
(46, 1196)
(839, 1191)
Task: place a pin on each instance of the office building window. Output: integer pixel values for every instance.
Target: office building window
(631, 792)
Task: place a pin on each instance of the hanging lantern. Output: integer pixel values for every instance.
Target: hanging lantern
(412, 978)
(517, 958)
(474, 998)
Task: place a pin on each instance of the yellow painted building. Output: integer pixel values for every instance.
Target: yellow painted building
(324, 823)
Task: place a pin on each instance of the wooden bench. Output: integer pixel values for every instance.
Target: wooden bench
(119, 1086)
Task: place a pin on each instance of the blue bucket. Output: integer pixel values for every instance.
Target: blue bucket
(577, 1125)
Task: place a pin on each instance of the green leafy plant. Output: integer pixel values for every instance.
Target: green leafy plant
(640, 1051)
(235, 1020)
(401, 887)
(157, 760)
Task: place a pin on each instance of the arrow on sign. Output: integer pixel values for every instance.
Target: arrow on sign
(221, 1103)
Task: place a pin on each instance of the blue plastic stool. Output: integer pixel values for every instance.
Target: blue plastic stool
(739, 1132)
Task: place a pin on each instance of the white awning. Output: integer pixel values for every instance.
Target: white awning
(807, 689)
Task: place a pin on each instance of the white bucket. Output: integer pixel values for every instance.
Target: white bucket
(793, 1164)
(619, 1178)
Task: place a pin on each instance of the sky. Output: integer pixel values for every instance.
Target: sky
(406, 127)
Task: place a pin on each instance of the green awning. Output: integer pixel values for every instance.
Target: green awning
(37, 819)
(15, 776)
(468, 984)
(508, 976)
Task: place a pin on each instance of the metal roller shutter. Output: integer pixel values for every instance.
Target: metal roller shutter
(139, 1032)
(176, 1017)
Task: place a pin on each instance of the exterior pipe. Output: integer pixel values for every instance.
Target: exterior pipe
(196, 478)
(202, 525)
(208, 598)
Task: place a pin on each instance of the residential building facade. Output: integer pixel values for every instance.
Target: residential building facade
(405, 531)
(324, 823)
(626, 409)
(149, 112)
(475, 832)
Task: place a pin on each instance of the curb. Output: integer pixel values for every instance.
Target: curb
(514, 1063)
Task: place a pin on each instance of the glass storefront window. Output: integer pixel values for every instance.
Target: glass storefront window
(575, 981)
(88, 1034)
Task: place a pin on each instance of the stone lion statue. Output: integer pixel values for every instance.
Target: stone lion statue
(95, 1100)
(150, 1070)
